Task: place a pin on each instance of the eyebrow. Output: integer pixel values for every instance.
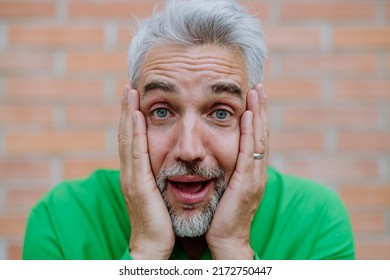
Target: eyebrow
(159, 85)
(226, 88)
(221, 87)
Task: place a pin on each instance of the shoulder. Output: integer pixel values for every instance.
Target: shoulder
(76, 215)
(312, 214)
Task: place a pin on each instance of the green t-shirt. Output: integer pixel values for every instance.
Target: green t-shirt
(87, 219)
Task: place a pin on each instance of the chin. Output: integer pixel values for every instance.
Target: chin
(193, 220)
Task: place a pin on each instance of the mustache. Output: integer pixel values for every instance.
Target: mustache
(189, 168)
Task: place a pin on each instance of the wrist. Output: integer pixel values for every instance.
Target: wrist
(231, 250)
(149, 251)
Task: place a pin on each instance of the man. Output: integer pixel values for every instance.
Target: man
(193, 144)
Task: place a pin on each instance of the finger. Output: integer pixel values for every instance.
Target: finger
(245, 156)
(266, 131)
(253, 105)
(129, 104)
(140, 155)
(122, 133)
(264, 119)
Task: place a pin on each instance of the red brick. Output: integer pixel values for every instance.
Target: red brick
(27, 169)
(75, 168)
(57, 36)
(362, 196)
(259, 10)
(23, 143)
(125, 35)
(111, 9)
(48, 90)
(287, 38)
(26, 61)
(368, 223)
(98, 62)
(361, 37)
(93, 115)
(294, 142)
(363, 90)
(364, 142)
(334, 65)
(388, 63)
(22, 9)
(12, 225)
(11, 115)
(319, 116)
(120, 85)
(23, 198)
(373, 250)
(388, 10)
(329, 10)
(290, 90)
(15, 251)
(333, 169)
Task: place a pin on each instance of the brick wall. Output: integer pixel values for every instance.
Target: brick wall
(63, 64)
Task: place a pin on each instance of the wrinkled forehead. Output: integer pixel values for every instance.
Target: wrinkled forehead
(214, 63)
(191, 49)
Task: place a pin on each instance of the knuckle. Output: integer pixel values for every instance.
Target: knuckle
(122, 139)
(124, 107)
(137, 156)
(124, 145)
(124, 103)
(248, 132)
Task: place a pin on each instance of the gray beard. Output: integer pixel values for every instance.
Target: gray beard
(192, 223)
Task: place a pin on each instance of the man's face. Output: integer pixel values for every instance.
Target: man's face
(192, 99)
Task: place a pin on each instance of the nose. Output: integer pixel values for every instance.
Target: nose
(189, 145)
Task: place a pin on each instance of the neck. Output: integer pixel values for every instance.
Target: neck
(193, 246)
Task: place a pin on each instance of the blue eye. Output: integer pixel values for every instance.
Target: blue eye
(221, 114)
(161, 113)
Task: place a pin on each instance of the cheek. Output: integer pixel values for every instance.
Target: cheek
(224, 148)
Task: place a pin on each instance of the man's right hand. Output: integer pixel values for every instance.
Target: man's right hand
(152, 235)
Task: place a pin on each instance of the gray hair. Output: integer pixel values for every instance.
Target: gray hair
(198, 22)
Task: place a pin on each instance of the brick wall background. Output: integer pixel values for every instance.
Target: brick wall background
(63, 64)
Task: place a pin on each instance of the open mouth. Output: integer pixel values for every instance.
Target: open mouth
(190, 189)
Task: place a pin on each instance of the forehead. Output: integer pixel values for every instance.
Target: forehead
(194, 65)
